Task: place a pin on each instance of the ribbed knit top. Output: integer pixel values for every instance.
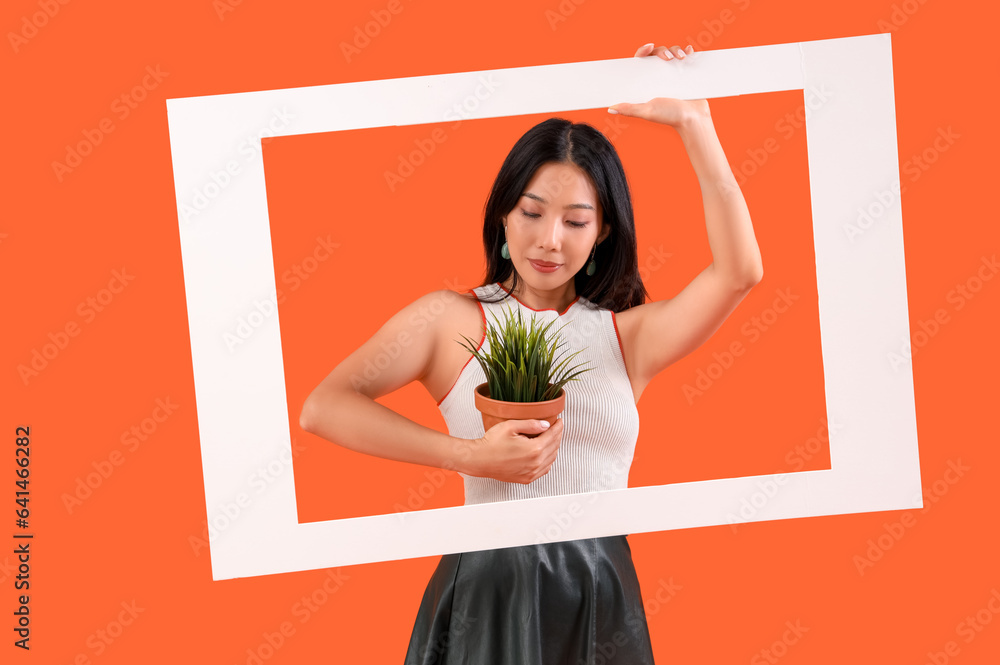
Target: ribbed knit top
(601, 422)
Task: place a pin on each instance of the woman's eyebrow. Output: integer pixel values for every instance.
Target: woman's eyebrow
(538, 198)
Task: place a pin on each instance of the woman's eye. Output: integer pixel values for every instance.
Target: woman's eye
(535, 215)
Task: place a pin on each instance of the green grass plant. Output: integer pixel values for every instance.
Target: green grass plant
(519, 364)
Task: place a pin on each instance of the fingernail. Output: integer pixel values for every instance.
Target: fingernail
(612, 111)
(544, 424)
(647, 45)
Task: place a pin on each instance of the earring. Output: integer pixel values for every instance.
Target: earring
(592, 266)
(504, 251)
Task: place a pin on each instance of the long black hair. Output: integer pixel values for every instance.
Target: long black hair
(616, 285)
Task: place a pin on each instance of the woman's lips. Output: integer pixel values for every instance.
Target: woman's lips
(542, 267)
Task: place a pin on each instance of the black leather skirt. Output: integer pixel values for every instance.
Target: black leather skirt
(569, 603)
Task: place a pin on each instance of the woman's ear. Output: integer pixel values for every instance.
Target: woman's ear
(605, 232)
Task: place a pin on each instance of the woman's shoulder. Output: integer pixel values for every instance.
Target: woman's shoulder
(453, 306)
(435, 303)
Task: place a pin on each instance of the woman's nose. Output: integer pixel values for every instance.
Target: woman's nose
(551, 234)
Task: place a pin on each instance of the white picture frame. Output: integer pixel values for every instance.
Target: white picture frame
(227, 262)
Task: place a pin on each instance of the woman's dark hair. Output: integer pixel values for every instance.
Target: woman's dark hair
(616, 285)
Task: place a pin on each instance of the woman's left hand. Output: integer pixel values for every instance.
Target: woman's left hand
(665, 110)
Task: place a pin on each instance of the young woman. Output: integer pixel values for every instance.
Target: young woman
(560, 244)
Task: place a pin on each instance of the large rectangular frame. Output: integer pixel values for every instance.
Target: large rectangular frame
(226, 254)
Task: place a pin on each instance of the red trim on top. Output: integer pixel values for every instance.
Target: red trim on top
(614, 320)
(481, 340)
(548, 309)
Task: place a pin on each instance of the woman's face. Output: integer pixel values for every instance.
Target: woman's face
(557, 220)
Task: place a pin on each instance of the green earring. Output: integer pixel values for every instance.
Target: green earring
(504, 252)
(592, 266)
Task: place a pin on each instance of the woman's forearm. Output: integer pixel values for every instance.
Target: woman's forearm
(356, 421)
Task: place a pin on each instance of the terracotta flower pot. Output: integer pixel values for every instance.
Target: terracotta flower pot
(494, 411)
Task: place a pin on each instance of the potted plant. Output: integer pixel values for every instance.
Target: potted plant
(521, 382)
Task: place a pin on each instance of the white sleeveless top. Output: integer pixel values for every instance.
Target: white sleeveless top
(601, 422)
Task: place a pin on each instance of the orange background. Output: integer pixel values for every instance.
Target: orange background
(136, 534)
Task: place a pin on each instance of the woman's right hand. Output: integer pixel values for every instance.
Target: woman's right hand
(506, 454)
